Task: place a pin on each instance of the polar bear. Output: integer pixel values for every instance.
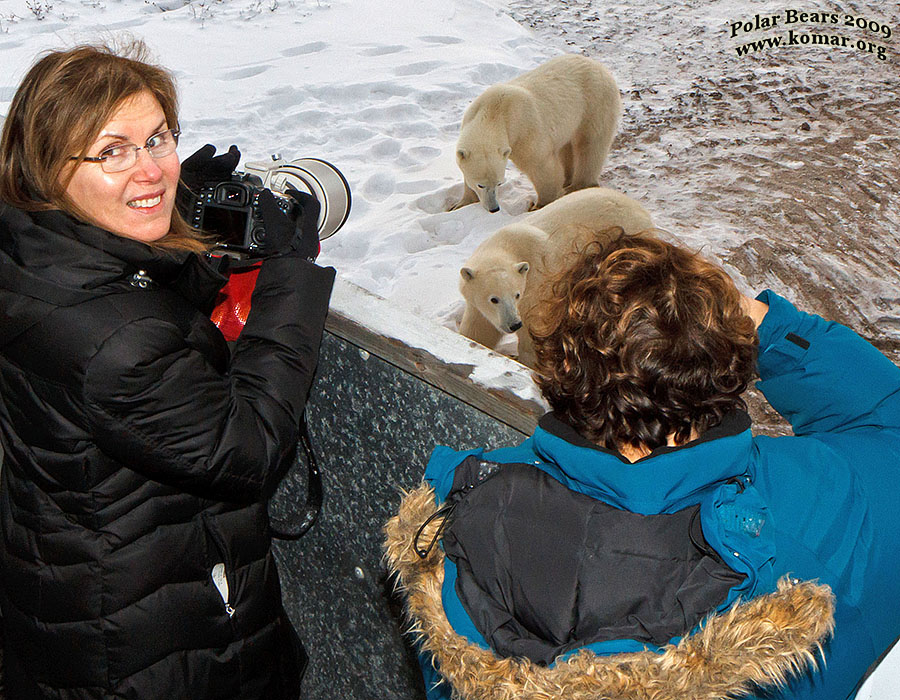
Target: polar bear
(501, 278)
(556, 123)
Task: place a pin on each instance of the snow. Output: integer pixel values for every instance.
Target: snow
(488, 369)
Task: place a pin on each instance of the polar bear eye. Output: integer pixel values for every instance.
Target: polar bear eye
(518, 295)
(495, 300)
(480, 187)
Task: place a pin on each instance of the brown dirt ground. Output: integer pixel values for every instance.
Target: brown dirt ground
(783, 164)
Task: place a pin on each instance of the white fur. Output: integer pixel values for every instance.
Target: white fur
(509, 266)
(556, 123)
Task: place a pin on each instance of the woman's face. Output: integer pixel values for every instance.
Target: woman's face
(135, 203)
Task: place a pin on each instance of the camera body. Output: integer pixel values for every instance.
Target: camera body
(230, 211)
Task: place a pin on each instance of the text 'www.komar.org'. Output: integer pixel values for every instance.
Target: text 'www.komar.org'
(812, 29)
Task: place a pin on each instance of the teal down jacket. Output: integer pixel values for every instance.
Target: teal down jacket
(827, 495)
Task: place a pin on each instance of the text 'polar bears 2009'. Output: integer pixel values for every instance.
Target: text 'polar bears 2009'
(845, 31)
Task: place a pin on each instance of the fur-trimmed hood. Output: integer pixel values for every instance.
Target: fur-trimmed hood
(762, 641)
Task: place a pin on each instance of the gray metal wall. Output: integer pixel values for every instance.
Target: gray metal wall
(373, 427)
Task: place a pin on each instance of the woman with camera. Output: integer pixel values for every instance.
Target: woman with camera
(140, 449)
(643, 542)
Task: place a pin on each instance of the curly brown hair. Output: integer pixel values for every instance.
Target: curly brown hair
(639, 340)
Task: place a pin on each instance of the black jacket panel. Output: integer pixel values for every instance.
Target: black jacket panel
(138, 452)
(544, 570)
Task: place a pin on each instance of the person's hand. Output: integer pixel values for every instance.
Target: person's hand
(306, 234)
(295, 231)
(204, 166)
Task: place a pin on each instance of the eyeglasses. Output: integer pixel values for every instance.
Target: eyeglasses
(122, 156)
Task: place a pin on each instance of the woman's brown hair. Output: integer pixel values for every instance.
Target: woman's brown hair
(61, 105)
(639, 340)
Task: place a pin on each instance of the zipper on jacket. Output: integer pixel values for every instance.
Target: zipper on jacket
(141, 279)
(220, 581)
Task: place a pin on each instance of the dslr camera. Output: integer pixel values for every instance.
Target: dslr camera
(229, 209)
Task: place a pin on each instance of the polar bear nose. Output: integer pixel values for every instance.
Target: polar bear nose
(513, 327)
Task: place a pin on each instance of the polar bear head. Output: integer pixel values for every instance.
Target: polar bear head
(483, 168)
(495, 289)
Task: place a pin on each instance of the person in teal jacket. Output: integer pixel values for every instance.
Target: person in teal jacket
(643, 542)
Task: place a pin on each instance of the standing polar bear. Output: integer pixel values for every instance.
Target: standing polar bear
(556, 123)
(501, 279)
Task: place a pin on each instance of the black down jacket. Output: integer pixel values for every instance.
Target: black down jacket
(135, 560)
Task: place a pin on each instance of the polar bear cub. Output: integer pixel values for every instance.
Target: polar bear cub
(556, 123)
(501, 279)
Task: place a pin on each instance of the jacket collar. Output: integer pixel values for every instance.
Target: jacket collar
(666, 480)
(48, 259)
(53, 257)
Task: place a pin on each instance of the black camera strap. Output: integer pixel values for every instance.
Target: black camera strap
(313, 505)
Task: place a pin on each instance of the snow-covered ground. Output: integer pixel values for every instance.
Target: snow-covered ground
(783, 162)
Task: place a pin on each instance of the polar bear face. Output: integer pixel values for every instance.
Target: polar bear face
(484, 170)
(496, 292)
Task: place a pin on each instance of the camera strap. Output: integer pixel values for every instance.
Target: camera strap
(313, 505)
(230, 315)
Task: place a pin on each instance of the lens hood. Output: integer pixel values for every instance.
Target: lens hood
(323, 181)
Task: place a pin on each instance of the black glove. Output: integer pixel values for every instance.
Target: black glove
(295, 231)
(306, 236)
(202, 167)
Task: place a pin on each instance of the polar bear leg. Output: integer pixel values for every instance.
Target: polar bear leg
(567, 157)
(589, 152)
(548, 178)
(525, 353)
(469, 197)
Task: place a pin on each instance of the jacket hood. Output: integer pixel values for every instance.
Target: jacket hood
(657, 483)
(760, 642)
(48, 259)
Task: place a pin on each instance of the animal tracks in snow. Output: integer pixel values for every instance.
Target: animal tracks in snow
(418, 68)
(446, 40)
(244, 73)
(383, 50)
(305, 49)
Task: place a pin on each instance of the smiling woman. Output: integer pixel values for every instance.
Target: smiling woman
(137, 201)
(139, 451)
(55, 148)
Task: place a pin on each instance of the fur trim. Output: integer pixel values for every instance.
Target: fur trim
(762, 641)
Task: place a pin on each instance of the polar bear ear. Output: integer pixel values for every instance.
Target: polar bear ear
(505, 152)
(467, 273)
(522, 268)
(462, 153)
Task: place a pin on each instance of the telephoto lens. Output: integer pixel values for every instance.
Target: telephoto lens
(319, 178)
